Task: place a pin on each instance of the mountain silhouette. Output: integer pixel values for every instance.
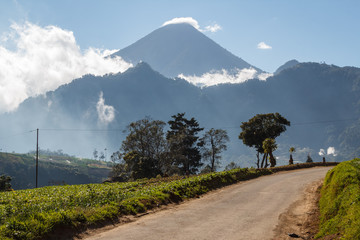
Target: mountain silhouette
(286, 65)
(180, 48)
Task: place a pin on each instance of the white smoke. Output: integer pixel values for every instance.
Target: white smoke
(106, 113)
(322, 152)
(223, 76)
(330, 151)
(42, 59)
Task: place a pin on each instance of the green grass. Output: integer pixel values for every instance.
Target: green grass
(340, 201)
(37, 213)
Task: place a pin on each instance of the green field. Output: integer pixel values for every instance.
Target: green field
(37, 213)
(34, 213)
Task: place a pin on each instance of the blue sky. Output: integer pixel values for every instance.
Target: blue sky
(314, 30)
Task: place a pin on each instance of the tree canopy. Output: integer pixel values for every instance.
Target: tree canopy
(143, 148)
(214, 142)
(183, 142)
(260, 127)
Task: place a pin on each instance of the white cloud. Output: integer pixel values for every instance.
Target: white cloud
(106, 113)
(194, 23)
(213, 28)
(42, 59)
(263, 45)
(188, 20)
(223, 76)
(264, 76)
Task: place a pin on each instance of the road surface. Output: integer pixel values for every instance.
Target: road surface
(246, 210)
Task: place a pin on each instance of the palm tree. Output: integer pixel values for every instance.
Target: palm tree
(269, 146)
(292, 150)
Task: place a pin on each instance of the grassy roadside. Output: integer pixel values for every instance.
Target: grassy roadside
(340, 202)
(37, 213)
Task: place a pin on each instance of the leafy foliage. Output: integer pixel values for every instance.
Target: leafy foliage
(36, 213)
(340, 201)
(269, 145)
(231, 166)
(260, 127)
(143, 149)
(183, 143)
(5, 183)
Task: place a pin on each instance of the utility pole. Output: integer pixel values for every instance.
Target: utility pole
(37, 155)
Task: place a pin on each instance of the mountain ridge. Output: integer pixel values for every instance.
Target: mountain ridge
(313, 90)
(181, 49)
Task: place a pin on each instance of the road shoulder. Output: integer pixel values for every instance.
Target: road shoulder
(302, 217)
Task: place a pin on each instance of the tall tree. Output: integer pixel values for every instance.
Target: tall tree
(143, 148)
(260, 127)
(291, 150)
(214, 142)
(184, 145)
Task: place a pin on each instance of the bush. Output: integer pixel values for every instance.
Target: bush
(340, 201)
(5, 183)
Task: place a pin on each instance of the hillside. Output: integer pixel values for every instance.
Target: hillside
(53, 170)
(319, 100)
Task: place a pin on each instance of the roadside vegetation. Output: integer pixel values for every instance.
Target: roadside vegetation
(37, 213)
(340, 202)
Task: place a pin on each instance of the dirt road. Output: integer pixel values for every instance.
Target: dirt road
(247, 210)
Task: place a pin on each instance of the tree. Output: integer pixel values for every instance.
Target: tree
(102, 156)
(214, 142)
(183, 142)
(269, 146)
(261, 127)
(231, 166)
(95, 154)
(309, 159)
(5, 183)
(143, 148)
(291, 150)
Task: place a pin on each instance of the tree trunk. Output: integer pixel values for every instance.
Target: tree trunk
(262, 162)
(266, 163)
(213, 161)
(258, 160)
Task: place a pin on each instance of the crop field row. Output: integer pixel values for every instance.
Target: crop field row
(37, 213)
